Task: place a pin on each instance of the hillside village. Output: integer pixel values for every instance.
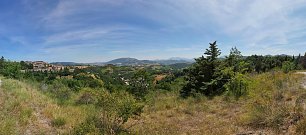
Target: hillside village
(44, 66)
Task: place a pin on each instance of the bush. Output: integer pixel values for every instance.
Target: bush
(88, 96)
(237, 85)
(114, 110)
(60, 91)
(140, 84)
(89, 126)
(288, 66)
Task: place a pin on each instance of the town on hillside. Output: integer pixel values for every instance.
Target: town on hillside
(44, 66)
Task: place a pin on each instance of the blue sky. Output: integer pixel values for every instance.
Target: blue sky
(101, 30)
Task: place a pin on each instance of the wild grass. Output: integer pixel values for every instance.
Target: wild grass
(271, 106)
(24, 109)
(272, 101)
(166, 113)
(274, 104)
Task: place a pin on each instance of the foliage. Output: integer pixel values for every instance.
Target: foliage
(269, 100)
(114, 110)
(203, 77)
(237, 85)
(59, 91)
(287, 66)
(140, 84)
(88, 96)
(165, 83)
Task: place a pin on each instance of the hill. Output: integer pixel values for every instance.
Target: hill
(133, 62)
(129, 62)
(67, 63)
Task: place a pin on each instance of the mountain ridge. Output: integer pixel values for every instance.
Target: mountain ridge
(127, 61)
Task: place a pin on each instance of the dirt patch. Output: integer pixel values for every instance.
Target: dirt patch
(159, 78)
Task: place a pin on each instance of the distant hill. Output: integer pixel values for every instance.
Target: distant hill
(181, 59)
(130, 62)
(67, 63)
(170, 62)
(133, 61)
(180, 65)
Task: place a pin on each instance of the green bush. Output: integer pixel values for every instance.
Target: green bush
(288, 66)
(89, 126)
(237, 86)
(59, 91)
(114, 109)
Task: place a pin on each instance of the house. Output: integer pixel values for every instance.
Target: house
(40, 66)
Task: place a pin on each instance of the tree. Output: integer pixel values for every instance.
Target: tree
(140, 84)
(233, 71)
(203, 77)
(234, 59)
(2, 60)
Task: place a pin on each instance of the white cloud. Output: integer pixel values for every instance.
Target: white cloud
(260, 25)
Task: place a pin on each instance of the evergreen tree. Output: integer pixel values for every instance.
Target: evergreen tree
(203, 77)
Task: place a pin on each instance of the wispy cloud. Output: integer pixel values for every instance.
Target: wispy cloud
(155, 29)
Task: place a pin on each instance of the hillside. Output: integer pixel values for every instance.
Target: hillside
(133, 61)
(166, 114)
(26, 109)
(129, 62)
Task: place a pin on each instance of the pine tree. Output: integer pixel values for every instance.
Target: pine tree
(203, 77)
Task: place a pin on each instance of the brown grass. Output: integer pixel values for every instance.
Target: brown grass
(278, 92)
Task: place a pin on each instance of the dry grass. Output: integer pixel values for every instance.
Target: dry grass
(275, 104)
(276, 92)
(170, 115)
(24, 109)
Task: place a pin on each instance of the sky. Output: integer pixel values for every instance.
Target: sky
(102, 30)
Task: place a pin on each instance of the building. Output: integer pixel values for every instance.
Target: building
(40, 66)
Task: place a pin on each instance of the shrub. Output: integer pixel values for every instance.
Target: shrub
(88, 96)
(140, 84)
(114, 110)
(237, 85)
(60, 91)
(287, 66)
(89, 126)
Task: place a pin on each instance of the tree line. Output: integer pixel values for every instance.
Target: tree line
(211, 76)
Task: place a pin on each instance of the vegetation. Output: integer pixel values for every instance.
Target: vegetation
(235, 94)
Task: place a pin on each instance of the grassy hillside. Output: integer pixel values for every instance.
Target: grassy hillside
(25, 109)
(274, 104)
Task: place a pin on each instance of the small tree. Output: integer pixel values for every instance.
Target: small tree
(140, 84)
